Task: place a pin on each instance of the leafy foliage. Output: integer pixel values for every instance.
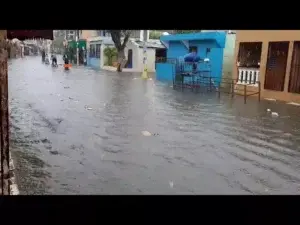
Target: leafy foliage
(155, 34)
(110, 53)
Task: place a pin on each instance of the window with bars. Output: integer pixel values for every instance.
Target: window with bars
(249, 54)
(98, 50)
(92, 51)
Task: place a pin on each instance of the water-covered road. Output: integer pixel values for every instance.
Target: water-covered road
(81, 133)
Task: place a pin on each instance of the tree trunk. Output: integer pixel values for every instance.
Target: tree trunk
(121, 59)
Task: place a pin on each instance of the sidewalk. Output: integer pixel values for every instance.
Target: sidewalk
(5, 181)
(9, 182)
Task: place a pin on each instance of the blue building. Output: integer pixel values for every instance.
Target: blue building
(95, 51)
(208, 45)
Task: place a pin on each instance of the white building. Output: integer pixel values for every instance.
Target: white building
(133, 51)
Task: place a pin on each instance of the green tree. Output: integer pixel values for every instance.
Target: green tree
(110, 53)
(155, 34)
(120, 39)
(58, 43)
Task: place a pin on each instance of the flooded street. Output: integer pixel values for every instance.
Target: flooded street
(81, 132)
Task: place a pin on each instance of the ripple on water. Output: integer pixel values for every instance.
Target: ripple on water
(204, 145)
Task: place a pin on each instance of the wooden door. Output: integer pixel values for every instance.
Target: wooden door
(294, 82)
(276, 65)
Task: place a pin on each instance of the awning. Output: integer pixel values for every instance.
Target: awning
(29, 34)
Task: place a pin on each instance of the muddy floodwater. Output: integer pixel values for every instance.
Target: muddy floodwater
(85, 132)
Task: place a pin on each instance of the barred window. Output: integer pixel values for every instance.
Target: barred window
(93, 51)
(98, 50)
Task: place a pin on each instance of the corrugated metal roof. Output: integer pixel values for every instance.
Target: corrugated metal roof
(150, 44)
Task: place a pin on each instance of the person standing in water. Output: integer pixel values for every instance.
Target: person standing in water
(43, 55)
(54, 60)
(66, 61)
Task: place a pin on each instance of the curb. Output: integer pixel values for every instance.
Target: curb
(14, 190)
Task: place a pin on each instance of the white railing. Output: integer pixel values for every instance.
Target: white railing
(249, 76)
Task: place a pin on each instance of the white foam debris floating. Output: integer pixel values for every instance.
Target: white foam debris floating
(275, 114)
(146, 133)
(270, 99)
(88, 108)
(293, 103)
(171, 184)
(268, 110)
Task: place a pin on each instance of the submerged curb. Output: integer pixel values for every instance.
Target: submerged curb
(14, 190)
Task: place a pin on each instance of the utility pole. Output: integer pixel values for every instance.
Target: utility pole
(145, 71)
(77, 47)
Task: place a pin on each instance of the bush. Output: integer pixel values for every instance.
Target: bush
(110, 53)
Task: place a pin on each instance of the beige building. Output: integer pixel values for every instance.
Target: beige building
(271, 57)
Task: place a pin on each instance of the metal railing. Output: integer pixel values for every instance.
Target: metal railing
(215, 84)
(248, 75)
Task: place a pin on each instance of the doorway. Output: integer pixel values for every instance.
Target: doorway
(276, 65)
(294, 82)
(129, 61)
(160, 55)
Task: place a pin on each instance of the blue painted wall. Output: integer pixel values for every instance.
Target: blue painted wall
(178, 49)
(93, 62)
(164, 72)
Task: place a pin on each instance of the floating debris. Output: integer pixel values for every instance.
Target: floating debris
(88, 108)
(66, 87)
(293, 103)
(275, 114)
(135, 78)
(171, 184)
(282, 117)
(146, 133)
(61, 100)
(270, 99)
(150, 78)
(71, 98)
(54, 152)
(268, 110)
